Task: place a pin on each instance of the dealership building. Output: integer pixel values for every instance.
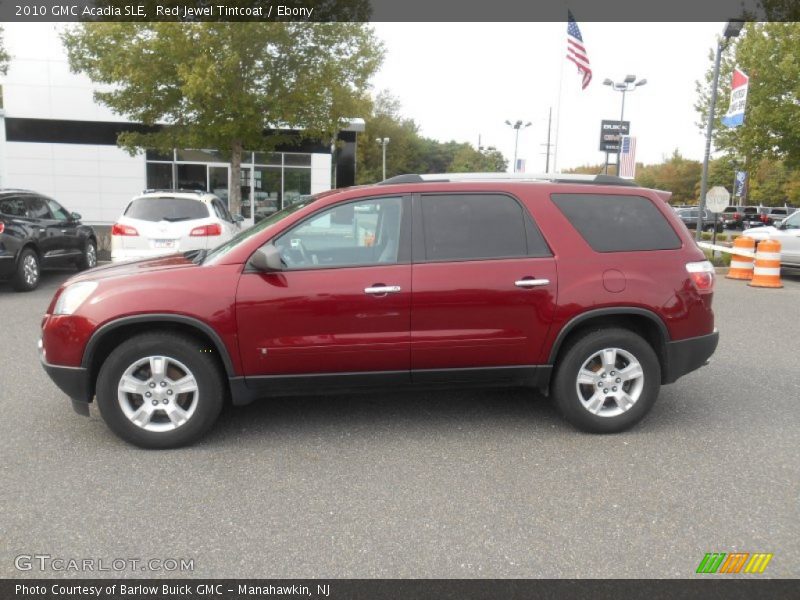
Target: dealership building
(55, 139)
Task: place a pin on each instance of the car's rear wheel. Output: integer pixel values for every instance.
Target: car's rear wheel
(88, 259)
(607, 380)
(160, 391)
(26, 277)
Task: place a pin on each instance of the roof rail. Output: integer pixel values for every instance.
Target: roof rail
(549, 177)
(181, 190)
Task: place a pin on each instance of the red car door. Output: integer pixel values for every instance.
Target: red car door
(484, 284)
(342, 303)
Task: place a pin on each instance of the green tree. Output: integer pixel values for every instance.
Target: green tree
(4, 57)
(768, 53)
(220, 85)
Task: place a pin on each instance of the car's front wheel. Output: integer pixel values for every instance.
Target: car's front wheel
(160, 391)
(607, 380)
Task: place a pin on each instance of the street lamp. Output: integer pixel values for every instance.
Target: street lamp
(628, 84)
(732, 29)
(383, 142)
(517, 126)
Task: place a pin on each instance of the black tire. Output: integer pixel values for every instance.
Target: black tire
(208, 398)
(28, 272)
(88, 259)
(570, 398)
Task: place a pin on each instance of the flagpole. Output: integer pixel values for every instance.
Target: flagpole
(558, 115)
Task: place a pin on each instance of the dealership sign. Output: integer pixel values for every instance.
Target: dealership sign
(735, 115)
(610, 134)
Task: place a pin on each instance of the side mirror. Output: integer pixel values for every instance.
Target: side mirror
(76, 216)
(267, 259)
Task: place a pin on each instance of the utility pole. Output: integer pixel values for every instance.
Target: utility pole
(549, 124)
(383, 142)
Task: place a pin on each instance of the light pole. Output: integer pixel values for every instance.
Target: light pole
(383, 142)
(517, 125)
(732, 29)
(628, 84)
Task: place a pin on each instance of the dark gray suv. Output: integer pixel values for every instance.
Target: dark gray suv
(37, 232)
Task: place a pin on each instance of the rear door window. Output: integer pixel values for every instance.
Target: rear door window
(615, 223)
(478, 227)
(166, 209)
(13, 207)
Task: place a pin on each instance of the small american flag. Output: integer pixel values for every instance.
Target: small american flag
(576, 51)
(627, 157)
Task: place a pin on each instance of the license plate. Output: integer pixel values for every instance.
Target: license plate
(163, 243)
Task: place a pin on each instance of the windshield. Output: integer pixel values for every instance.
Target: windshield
(792, 222)
(166, 209)
(223, 249)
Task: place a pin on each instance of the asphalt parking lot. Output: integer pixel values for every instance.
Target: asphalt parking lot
(461, 484)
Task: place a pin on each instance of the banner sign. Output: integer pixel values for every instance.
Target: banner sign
(609, 134)
(741, 179)
(735, 115)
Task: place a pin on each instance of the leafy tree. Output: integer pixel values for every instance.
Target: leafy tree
(409, 152)
(220, 85)
(768, 53)
(4, 57)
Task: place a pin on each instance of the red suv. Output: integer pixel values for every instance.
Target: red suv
(589, 289)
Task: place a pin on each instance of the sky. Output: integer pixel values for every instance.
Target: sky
(459, 81)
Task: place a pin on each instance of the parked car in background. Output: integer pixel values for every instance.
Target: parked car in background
(164, 222)
(754, 216)
(689, 218)
(732, 217)
(587, 288)
(776, 214)
(787, 232)
(36, 233)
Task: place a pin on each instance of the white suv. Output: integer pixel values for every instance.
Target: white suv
(168, 221)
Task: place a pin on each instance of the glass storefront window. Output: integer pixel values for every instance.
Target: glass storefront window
(266, 191)
(296, 160)
(155, 155)
(192, 177)
(218, 183)
(200, 156)
(159, 176)
(296, 183)
(268, 158)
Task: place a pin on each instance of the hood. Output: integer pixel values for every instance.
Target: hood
(761, 233)
(135, 267)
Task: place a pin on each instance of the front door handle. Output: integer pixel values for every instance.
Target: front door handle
(380, 290)
(531, 283)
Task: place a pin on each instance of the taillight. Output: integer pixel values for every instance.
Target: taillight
(120, 229)
(737, 216)
(2, 227)
(205, 230)
(702, 276)
(764, 218)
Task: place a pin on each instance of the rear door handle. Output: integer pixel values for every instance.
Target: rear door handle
(531, 283)
(380, 289)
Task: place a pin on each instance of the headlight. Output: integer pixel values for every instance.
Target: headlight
(73, 296)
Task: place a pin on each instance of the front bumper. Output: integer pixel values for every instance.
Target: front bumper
(73, 381)
(685, 356)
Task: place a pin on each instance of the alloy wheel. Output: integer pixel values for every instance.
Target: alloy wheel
(610, 382)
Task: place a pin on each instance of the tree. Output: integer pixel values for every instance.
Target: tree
(409, 152)
(221, 85)
(4, 57)
(767, 52)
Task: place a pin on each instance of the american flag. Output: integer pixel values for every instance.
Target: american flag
(627, 157)
(576, 51)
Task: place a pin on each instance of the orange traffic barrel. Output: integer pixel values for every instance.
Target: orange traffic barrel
(767, 271)
(742, 264)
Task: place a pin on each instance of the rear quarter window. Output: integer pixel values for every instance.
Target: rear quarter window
(612, 223)
(166, 209)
